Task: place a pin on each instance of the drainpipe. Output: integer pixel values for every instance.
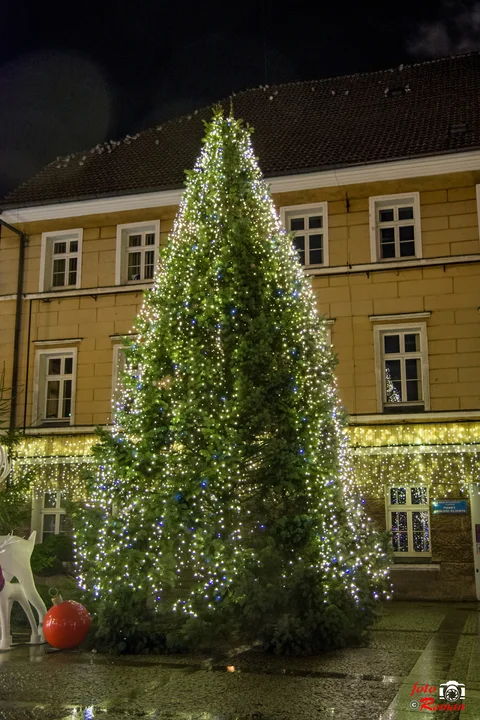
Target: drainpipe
(29, 333)
(18, 321)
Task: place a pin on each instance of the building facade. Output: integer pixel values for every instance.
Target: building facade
(390, 238)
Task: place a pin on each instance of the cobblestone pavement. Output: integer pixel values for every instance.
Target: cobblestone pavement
(422, 643)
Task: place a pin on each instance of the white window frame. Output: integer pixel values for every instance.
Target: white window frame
(409, 508)
(386, 201)
(39, 387)
(305, 211)
(391, 329)
(39, 511)
(123, 232)
(46, 258)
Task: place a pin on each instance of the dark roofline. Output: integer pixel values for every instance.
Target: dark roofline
(384, 71)
(168, 177)
(227, 99)
(170, 188)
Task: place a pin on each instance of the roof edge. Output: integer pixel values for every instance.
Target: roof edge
(177, 187)
(208, 107)
(401, 168)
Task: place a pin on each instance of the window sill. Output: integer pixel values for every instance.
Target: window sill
(394, 265)
(61, 430)
(61, 288)
(82, 292)
(403, 409)
(388, 261)
(55, 424)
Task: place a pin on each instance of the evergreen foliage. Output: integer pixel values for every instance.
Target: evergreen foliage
(221, 505)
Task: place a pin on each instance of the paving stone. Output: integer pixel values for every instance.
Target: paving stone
(411, 643)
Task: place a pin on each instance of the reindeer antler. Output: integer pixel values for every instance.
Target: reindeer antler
(9, 540)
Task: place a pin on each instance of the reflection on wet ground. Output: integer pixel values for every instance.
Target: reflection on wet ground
(422, 643)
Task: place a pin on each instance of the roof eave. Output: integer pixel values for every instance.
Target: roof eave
(268, 176)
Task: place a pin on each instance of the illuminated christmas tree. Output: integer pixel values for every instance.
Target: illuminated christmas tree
(392, 393)
(221, 503)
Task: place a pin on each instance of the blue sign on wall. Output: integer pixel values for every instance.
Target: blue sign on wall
(449, 507)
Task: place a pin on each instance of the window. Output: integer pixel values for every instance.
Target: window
(310, 225)
(402, 368)
(53, 514)
(137, 252)
(48, 514)
(408, 519)
(54, 393)
(395, 227)
(60, 260)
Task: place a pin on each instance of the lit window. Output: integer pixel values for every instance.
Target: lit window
(53, 514)
(55, 387)
(402, 363)
(395, 227)
(48, 514)
(408, 520)
(137, 252)
(309, 225)
(60, 262)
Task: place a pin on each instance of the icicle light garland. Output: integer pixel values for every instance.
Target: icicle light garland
(415, 434)
(53, 462)
(444, 455)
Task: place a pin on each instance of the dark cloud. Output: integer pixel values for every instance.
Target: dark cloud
(53, 103)
(208, 69)
(456, 30)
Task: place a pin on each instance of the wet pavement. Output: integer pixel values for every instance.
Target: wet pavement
(422, 643)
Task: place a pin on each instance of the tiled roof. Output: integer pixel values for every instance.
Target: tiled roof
(300, 127)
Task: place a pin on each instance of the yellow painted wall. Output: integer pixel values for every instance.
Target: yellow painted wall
(449, 225)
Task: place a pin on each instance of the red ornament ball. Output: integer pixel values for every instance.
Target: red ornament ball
(66, 625)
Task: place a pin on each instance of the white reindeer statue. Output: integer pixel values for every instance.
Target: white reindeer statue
(15, 556)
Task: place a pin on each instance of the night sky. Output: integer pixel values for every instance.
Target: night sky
(82, 73)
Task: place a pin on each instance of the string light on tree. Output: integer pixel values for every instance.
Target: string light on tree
(223, 499)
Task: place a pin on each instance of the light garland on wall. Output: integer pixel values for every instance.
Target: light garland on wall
(56, 446)
(53, 462)
(412, 434)
(52, 473)
(445, 473)
(444, 455)
(362, 438)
